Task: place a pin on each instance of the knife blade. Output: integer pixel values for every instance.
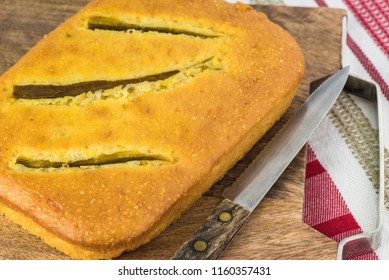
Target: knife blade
(249, 189)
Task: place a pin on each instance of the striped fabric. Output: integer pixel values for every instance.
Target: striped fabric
(373, 15)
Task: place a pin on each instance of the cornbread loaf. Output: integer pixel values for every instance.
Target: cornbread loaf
(119, 119)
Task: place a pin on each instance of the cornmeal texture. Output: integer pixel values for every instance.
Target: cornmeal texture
(121, 118)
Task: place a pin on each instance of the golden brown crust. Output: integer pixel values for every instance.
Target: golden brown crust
(180, 134)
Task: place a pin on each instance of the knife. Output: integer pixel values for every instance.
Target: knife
(209, 241)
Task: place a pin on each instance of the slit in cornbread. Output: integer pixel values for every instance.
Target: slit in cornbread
(101, 160)
(106, 23)
(86, 92)
(54, 91)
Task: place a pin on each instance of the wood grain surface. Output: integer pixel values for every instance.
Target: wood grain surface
(275, 229)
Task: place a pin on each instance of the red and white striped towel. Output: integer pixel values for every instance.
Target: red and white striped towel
(341, 184)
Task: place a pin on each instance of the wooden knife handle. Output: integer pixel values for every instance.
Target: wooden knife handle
(215, 233)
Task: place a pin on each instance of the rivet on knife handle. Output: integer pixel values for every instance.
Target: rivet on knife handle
(214, 235)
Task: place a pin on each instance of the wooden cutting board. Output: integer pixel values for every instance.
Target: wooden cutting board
(275, 229)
